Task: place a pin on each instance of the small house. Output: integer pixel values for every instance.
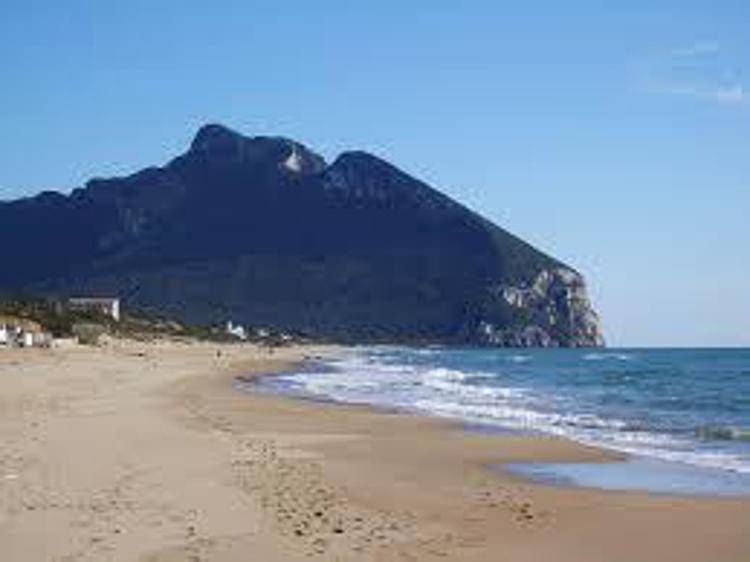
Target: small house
(20, 332)
(41, 339)
(236, 330)
(106, 306)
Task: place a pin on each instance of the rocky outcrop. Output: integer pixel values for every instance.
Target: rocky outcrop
(262, 231)
(552, 310)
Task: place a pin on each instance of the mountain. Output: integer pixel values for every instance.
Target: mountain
(261, 230)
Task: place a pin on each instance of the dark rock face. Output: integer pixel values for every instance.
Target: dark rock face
(261, 230)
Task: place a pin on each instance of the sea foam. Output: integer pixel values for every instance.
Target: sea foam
(637, 402)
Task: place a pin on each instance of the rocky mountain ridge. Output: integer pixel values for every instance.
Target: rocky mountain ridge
(261, 230)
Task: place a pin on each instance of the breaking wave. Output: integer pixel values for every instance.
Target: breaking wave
(563, 392)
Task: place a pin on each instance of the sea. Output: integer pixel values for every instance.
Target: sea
(681, 415)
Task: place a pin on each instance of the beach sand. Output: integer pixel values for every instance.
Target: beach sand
(148, 452)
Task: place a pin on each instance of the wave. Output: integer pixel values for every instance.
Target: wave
(428, 351)
(612, 434)
(459, 384)
(723, 433)
(519, 358)
(518, 417)
(447, 374)
(608, 357)
(401, 379)
(716, 460)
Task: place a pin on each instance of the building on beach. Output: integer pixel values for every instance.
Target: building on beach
(19, 332)
(236, 330)
(107, 306)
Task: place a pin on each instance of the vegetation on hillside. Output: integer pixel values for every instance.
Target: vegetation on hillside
(55, 317)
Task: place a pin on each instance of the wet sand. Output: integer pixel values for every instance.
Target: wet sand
(149, 452)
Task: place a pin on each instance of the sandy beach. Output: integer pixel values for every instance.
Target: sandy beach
(148, 452)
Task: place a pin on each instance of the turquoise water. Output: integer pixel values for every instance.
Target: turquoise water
(683, 413)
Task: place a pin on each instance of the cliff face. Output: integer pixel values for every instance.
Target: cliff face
(550, 310)
(263, 231)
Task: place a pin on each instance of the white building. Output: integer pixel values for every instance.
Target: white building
(237, 331)
(107, 306)
(23, 333)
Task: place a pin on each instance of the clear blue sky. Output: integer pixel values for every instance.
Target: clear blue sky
(616, 139)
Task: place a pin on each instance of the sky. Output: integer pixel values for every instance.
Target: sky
(615, 139)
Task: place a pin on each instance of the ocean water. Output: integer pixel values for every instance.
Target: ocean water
(680, 410)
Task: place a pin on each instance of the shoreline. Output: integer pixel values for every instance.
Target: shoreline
(525, 448)
(186, 465)
(252, 385)
(733, 485)
(524, 471)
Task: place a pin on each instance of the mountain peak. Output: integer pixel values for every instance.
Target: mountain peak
(214, 136)
(303, 161)
(219, 143)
